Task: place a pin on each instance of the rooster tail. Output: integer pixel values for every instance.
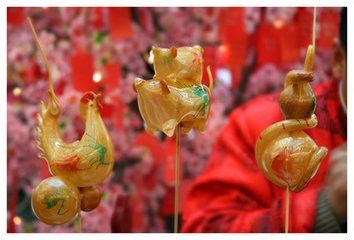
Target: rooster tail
(45, 118)
(39, 129)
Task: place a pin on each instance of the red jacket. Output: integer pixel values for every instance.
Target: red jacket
(232, 195)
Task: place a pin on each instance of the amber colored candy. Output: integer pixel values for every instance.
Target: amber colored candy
(297, 100)
(180, 67)
(175, 95)
(90, 198)
(285, 154)
(86, 162)
(55, 201)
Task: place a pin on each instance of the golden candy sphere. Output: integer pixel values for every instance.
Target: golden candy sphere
(55, 201)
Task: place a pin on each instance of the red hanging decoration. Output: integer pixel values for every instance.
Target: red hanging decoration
(289, 43)
(210, 59)
(111, 77)
(15, 16)
(231, 25)
(96, 17)
(232, 33)
(120, 23)
(304, 19)
(329, 28)
(82, 72)
(268, 44)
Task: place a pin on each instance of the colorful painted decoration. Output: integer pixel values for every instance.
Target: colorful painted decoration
(55, 201)
(175, 95)
(286, 155)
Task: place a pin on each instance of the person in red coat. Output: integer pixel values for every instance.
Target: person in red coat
(232, 195)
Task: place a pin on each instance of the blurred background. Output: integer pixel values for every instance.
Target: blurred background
(103, 49)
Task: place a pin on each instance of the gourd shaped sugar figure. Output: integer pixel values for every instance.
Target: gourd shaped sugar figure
(284, 152)
(77, 167)
(175, 95)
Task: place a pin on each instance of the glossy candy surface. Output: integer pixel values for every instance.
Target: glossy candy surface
(175, 95)
(179, 67)
(55, 201)
(286, 155)
(90, 198)
(86, 162)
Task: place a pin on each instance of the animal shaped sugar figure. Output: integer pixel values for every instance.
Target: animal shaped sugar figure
(86, 162)
(163, 107)
(179, 67)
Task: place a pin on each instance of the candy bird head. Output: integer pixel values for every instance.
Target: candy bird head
(90, 100)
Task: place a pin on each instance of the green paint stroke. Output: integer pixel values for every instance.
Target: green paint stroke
(313, 104)
(200, 92)
(101, 150)
(52, 200)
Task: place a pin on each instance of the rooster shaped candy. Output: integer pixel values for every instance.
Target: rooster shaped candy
(77, 167)
(86, 162)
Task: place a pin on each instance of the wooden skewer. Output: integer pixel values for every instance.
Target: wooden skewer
(79, 222)
(310, 54)
(287, 209)
(177, 180)
(309, 60)
(314, 29)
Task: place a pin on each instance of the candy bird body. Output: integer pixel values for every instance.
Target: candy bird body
(85, 162)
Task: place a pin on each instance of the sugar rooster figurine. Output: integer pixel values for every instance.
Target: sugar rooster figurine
(77, 167)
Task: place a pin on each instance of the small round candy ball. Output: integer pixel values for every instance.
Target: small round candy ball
(55, 201)
(90, 198)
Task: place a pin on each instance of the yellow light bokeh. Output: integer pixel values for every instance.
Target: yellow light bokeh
(97, 77)
(17, 91)
(17, 220)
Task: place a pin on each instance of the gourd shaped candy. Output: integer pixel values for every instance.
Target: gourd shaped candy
(77, 167)
(175, 95)
(286, 155)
